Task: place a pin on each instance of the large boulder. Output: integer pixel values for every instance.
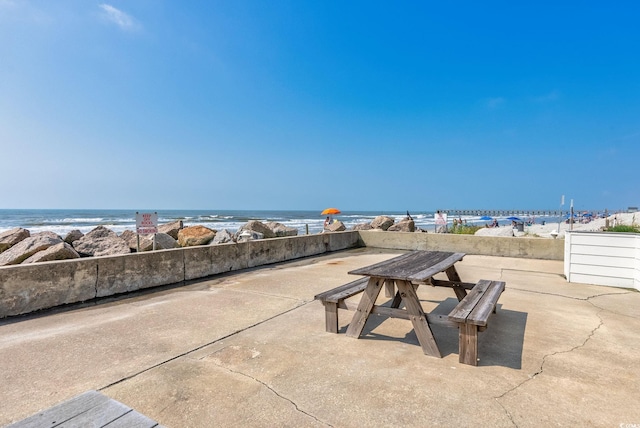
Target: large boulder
(404, 225)
(382, 222)
(223, 237)
(131, 238)
(336, 226)
(73, 236)
(172, 229)
(11, 237)
(257, 226)
(281, 230)
(61, 251)
(495, 231)
(28, 247)
(248, 235)
(362, 226)
(163, 242)
(195, 235)
(101, 242)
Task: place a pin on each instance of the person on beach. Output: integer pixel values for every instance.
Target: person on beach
(327, 222)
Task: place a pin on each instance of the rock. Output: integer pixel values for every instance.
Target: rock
(131, 238)
(195, 235)
(382, 222)
(172, 229)
(362, 226)
(404, 225)
(336, 226)
(281, 230)
(163, 242)
(101, 232)
(61, 251)
(223, 237)
(11, 237)
(73, 236)
(28, 247)
(257, 226)
(101, 242)
(248, 235)
(495, 231)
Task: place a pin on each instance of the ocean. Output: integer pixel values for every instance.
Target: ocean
(62, 221)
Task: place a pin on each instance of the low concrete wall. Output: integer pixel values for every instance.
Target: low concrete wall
(28, 288)
(532, 248)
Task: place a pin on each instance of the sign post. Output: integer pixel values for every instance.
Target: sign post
(146, 223)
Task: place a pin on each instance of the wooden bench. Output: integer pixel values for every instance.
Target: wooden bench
(472, 315)
(334, 299)
(91, 409)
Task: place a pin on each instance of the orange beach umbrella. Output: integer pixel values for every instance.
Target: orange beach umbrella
(330, 211)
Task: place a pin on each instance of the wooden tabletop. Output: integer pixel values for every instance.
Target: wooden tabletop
(416, 266)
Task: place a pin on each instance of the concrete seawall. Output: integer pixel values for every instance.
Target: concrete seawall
(530, 248)
(29, 288)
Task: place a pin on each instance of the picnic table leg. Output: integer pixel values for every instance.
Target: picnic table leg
(452, 274)
(331, 317)
(418, 319)
(468, 344)
(389, 288)
(364, 307)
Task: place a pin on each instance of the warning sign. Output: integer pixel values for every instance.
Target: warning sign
(146, 223)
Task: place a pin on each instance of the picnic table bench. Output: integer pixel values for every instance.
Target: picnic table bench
(90, 409)
(407, 272)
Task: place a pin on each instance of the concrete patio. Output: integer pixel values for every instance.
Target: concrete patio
(250, 349)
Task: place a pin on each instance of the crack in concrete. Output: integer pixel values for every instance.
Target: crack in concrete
(274, 392)
(544, 358)
(191, 351)
(585, 299)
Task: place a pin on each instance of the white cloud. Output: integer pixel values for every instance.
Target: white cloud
(118, 17)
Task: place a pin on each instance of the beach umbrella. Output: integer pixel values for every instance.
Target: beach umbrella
(486, 217)
(330, 211)
(513, 219)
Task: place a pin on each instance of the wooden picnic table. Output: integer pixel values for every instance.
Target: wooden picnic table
(404, 273)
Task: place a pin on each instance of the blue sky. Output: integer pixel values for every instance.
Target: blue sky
(363, 105)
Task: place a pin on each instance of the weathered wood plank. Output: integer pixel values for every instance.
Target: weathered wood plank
(444, 261)
(468, 344)
(402, 314)
(60, 413)
(418, 319)
(480, 314)
(364, 308)
(445, 283)
(331, 317)
(90, 409)
(389, 288)
(404, 267)
(98, 416)
(464, 308)
(342, 292)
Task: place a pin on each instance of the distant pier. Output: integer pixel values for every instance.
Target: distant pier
(515, 213)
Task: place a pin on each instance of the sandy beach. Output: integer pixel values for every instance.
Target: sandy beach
(546, 230)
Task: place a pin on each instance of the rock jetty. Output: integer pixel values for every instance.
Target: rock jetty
(19, 246)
